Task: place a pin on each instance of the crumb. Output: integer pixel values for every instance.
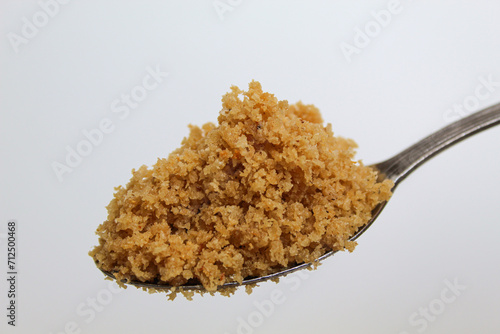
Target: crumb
(268, 187)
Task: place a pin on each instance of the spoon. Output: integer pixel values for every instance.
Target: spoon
(396, 169)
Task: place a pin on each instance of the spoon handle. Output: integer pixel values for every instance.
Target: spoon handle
(398, 167)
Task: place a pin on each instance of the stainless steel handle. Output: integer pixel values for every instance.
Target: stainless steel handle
(401, 165)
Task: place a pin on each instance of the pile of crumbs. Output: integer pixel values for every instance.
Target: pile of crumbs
(267, 188)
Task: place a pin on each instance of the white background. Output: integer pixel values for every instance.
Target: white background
(442, 224)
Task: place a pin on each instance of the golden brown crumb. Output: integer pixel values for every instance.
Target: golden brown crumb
(267, 188)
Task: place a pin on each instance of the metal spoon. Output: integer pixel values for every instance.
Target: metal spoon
(396, 169)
